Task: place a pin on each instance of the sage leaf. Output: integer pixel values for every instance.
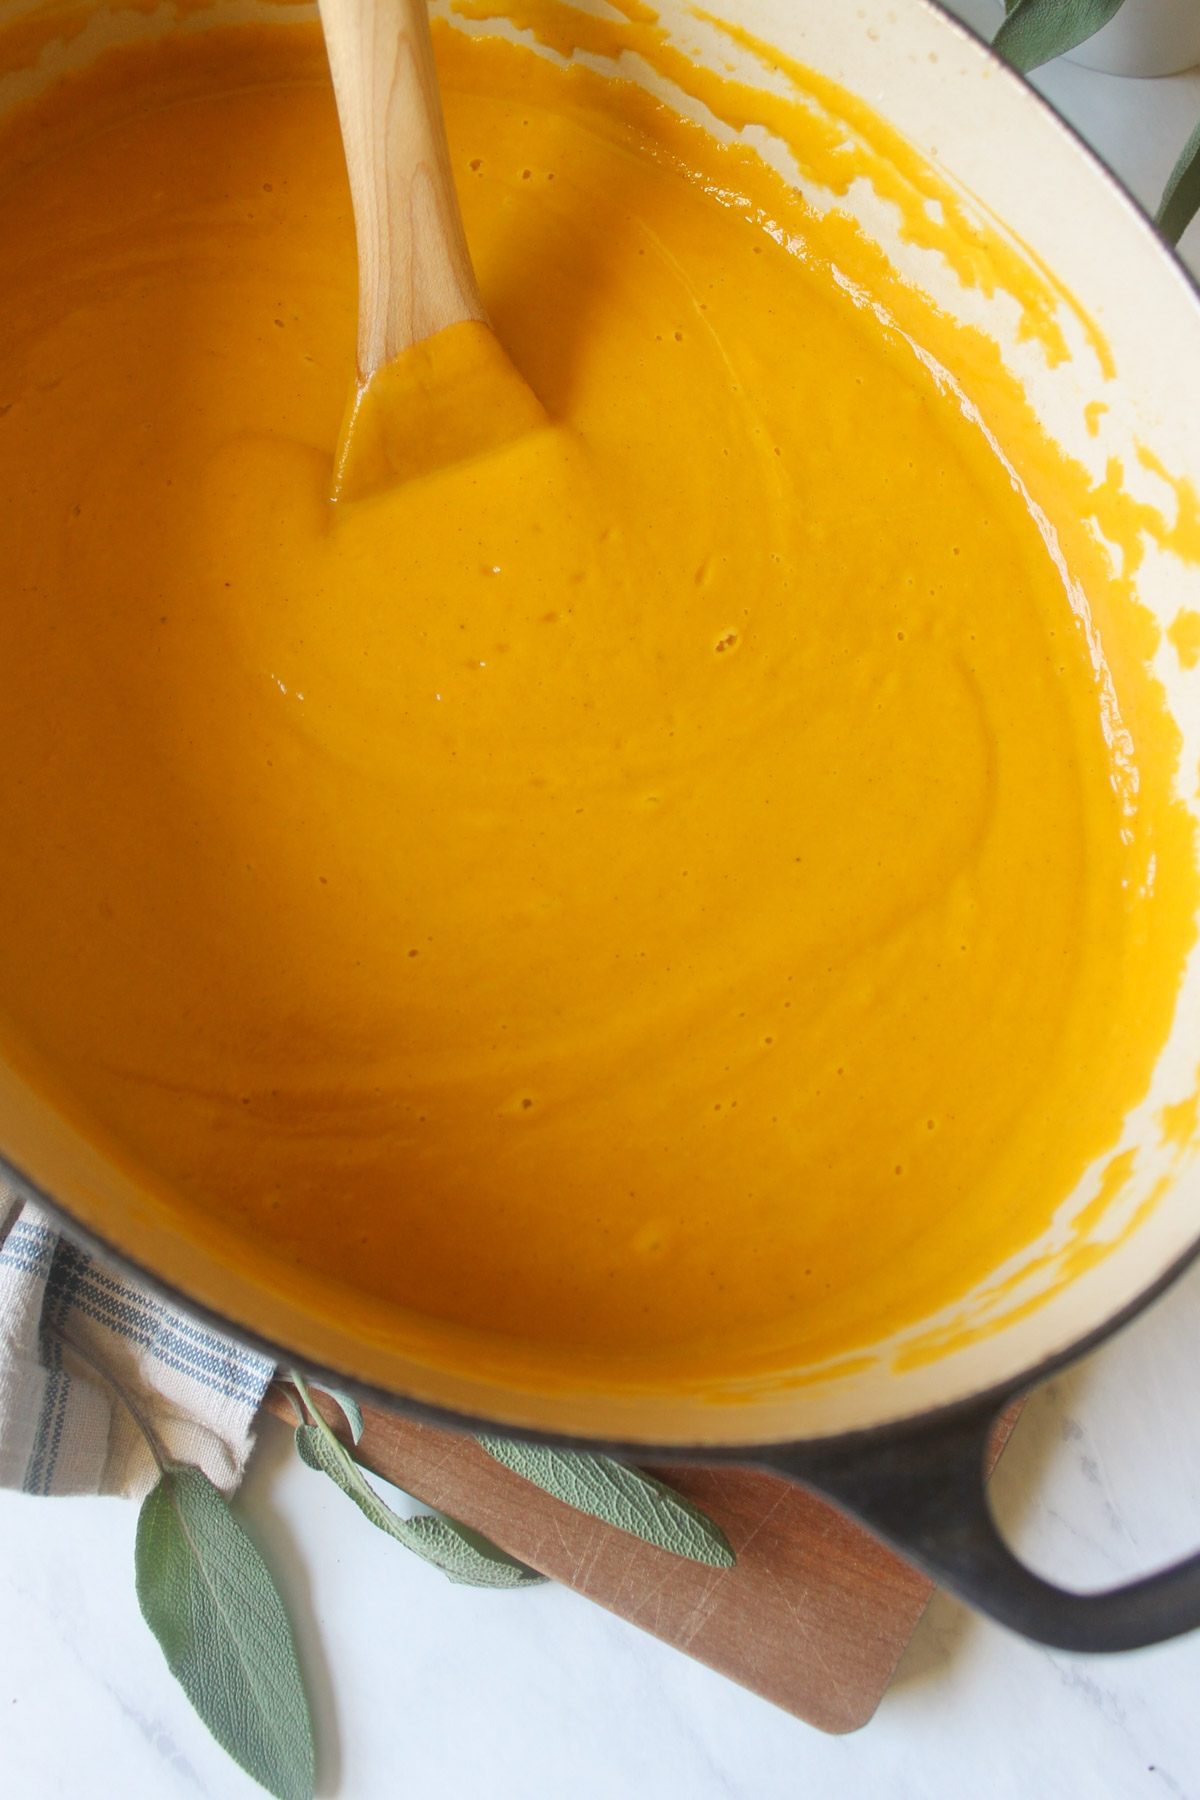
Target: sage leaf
(627, 1498)
(462, 1555)
(1181, 196)
(351, 1410)
(467, 1557)
(209, 1599)
(1036, 31)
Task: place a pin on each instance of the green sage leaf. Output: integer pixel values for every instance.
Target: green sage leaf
(461, 1554)
(466, 1556)
(351, 1410)
(209, 1599)
(1036, 31)
(1181, 196)
(627, 1498)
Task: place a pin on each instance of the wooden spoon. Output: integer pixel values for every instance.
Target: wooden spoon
(434, 385)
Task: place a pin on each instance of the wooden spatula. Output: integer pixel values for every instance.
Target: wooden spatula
(434, 385)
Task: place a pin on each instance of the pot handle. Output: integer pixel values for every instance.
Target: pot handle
(922, 1491)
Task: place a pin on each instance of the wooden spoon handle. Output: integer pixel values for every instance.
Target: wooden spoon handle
(414, 269)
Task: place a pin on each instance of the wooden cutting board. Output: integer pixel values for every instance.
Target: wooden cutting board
(814, 1617)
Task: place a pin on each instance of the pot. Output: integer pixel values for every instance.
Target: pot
(896, 1436)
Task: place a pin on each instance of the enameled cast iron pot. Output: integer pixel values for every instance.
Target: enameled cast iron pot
(897, 1441)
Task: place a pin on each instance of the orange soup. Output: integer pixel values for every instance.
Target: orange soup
(668, 892)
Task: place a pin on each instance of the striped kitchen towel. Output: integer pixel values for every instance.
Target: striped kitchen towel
(62, 1429)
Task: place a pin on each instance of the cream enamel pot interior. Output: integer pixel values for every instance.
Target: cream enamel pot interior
(897, 1438)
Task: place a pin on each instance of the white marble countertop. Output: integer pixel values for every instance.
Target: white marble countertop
(424, 1689)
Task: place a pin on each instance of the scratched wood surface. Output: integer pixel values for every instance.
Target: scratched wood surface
(814, 1617)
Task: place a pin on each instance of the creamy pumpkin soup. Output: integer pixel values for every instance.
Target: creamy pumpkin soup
(694, 888)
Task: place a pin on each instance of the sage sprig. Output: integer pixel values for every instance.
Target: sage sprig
(1036, 31)
(461, 1554)
(208, 1597)
(350, 1410)
(625, 1497)
(1181, 196)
